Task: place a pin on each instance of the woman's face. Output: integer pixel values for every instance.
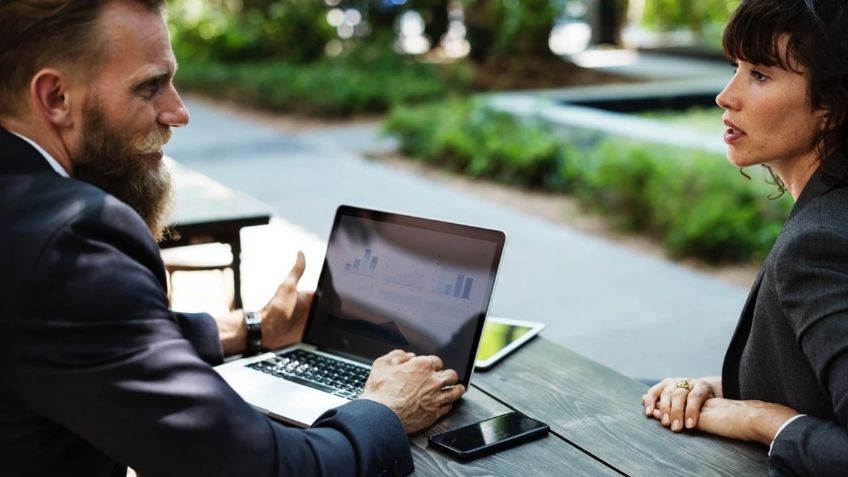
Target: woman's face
(768, 115)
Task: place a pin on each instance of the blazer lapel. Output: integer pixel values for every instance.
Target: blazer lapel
(730, 368)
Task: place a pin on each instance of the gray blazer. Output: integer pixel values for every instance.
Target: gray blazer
(791, 344)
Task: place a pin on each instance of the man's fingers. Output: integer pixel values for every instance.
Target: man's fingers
(298, 267)
(449, 377)
(444, 409)
(404, 357)
(426, 362)
(396, 357)
(451, 394)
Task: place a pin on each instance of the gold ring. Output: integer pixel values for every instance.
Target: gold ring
(684, 383)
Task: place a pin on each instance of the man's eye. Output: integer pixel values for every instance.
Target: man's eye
(150, 90)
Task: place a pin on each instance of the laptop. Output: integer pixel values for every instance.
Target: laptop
(389, 281)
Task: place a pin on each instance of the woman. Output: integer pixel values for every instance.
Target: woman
(785, 377)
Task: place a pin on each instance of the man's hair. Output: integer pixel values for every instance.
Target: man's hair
(35, 34)
(818, 40)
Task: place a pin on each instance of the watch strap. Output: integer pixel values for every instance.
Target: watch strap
(253, 322)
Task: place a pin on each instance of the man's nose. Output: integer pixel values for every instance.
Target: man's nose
(174, 114)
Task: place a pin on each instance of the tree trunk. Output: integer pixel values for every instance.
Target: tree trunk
(481, 24)
(435, 15)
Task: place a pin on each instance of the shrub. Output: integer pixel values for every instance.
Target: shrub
(331, 87)
(697, 203)
(694, 201)
(467, 136)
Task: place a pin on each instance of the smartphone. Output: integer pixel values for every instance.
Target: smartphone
(487, 436)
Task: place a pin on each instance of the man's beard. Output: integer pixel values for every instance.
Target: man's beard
(114, 162)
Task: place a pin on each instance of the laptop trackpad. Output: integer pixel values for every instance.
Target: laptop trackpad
(281, 399)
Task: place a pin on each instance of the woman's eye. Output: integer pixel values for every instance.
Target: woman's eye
(758, 76)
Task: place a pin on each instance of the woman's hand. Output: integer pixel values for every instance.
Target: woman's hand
(676, 402)
(754, 421)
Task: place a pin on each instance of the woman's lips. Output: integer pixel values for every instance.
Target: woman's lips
(732, 134)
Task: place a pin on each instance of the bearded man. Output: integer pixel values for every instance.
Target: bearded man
(96, 372)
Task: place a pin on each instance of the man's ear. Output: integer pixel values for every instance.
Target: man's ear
(49, 95)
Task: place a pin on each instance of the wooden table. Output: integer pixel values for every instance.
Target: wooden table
(597, 425)
(208, 212)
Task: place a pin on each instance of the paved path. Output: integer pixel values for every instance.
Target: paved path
(637, 314)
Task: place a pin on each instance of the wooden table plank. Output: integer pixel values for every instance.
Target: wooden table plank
(600, 411)
(544, 457)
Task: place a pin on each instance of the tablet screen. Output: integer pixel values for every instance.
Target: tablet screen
(497, 336)
(500, 336)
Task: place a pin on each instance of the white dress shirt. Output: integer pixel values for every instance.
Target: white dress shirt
(788, 421)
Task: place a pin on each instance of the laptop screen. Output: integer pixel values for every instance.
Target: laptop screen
(397, 282)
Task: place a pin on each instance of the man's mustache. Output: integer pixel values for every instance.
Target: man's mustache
(154, 141)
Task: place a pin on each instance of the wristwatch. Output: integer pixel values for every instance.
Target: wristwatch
(253, 321)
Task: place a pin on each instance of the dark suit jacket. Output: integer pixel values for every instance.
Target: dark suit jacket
(97, 373)
(791, 344)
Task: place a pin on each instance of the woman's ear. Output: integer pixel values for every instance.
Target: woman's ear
(49, 96)
(823, 115)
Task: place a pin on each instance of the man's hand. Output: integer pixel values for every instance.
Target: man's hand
(414, 387)
(284, 317)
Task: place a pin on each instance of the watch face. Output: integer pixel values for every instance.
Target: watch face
(252, 318)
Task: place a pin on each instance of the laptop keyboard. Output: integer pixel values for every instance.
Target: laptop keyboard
(316, 371)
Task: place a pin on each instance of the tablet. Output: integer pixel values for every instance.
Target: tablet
(500, 337)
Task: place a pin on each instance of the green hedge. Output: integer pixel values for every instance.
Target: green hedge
(694, 201)
(465, 136)
(355, 84)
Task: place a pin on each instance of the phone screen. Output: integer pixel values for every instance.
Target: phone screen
(490, 433)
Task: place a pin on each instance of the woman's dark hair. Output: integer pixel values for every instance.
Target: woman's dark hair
(818, 40)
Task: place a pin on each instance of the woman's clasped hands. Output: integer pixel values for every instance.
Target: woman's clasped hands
(684, 403)
(677, 402)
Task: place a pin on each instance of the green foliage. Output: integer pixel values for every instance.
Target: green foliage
(242, 30)
(504, 28)
(357, 83)
(467, 136)
(694, 201)
(694, 15)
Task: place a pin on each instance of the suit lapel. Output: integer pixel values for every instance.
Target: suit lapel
(730, 368)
